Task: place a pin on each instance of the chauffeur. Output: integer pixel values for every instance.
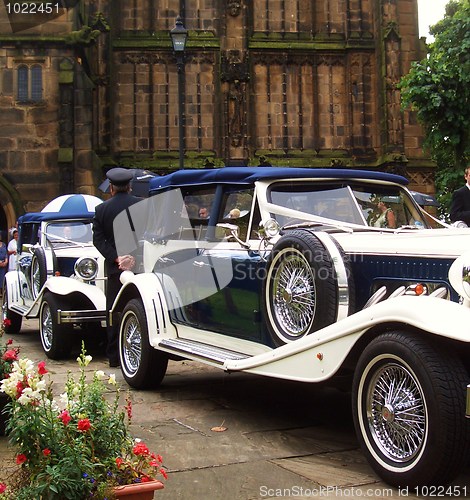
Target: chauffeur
(103, 239)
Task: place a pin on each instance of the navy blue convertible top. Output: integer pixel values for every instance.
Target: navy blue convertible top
(248, 175)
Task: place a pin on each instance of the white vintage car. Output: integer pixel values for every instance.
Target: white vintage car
(59, 276)
(310, 282)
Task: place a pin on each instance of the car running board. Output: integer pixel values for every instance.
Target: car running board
(20, 309)
(194, 349)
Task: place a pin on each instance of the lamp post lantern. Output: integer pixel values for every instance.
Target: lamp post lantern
(179, 35)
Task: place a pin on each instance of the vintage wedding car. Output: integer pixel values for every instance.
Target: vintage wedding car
(58, 278)
(302, 282)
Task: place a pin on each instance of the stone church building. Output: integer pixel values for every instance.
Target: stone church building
(94, 84)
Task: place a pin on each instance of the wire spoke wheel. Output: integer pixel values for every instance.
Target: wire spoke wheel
(409, 409)
(294, 294)
(397, 412)
(132, 343)
(46, 326)
(142, 365)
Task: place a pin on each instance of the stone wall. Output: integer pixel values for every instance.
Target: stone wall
(300, 83)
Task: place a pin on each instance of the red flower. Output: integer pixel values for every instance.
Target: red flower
(19, 389)
(65, 417)
(154, 463)
(160, 459)
(119, 461)
(10, 355)
(3, 487)
(6, 322)
(141, 449)
(164, 474)
(84, 425)
(21, 458)
(42, 368)
(46, 452)
(145, 479)
(9, 341)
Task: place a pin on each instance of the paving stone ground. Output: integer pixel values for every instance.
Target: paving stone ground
(282, 439)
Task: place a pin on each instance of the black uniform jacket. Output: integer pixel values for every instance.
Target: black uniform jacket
(460, 207)
(103, 235)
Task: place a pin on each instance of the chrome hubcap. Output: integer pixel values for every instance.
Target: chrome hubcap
(396, 412)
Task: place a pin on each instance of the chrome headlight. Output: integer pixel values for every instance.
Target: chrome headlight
(269, 228)
(86, 268)
(459, 275)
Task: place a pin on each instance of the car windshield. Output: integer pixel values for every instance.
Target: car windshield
(365, 204)
(68, 233)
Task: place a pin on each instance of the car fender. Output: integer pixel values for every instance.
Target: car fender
(319, 356)
(61, 285)
(148, 288)
(12, 284)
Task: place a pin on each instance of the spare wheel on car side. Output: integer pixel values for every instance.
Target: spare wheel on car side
(308, 285)
(39, 268)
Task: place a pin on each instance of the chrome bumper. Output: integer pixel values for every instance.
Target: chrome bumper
(80, 316)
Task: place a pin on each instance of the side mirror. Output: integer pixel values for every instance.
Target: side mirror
(230, 231)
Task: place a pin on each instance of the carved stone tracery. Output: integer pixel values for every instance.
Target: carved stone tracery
(235, 72)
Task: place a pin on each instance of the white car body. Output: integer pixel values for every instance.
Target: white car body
(390, 313)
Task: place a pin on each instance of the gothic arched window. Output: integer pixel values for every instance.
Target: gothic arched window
(29, 83)
(23, 83)
(36, 83)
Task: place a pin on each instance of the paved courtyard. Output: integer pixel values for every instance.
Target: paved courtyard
(281, 439)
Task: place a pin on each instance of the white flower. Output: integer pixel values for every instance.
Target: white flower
(85, 361)
(112, 379)
(64, 398)
(100, 375)
(40, 386)
(27, 396)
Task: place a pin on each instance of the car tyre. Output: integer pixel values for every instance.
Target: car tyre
(11, 320)
(300, 291)
(409, 410)
(38, 271)
(143, 367)
(56, 339)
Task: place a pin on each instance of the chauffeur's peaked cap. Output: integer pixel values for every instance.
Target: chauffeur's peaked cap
(119, 176)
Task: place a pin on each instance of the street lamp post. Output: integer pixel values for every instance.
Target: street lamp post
(179, 35)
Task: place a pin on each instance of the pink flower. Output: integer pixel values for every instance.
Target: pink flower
(42, 368)
(21, 458)
(65, 417)
(84, 425)
(3, 487)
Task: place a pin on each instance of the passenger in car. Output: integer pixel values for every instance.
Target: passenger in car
(234, 213)
(203, 213)
(385, 218)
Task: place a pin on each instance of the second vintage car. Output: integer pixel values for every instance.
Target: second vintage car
(58, 277)
(309, 275)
